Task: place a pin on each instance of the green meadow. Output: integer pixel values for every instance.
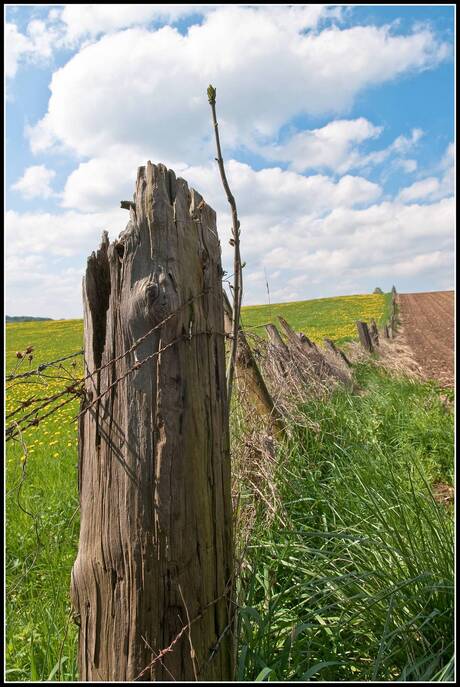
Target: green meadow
(332, 318)
(357, 584)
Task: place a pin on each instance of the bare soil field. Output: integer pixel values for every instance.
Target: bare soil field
(428, 323)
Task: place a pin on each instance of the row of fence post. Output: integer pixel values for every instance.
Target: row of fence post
(369, 335)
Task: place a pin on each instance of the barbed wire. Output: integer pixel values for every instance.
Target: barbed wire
(41, 367)
(144, 336)
(187, 627)
(137, 365)
(76, 388)
(46, 401)
(35, 421)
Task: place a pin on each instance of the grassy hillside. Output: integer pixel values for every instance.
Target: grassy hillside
(26, 318)
(41, 511)
(333, 318)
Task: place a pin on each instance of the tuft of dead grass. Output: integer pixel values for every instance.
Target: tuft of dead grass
(394, 355)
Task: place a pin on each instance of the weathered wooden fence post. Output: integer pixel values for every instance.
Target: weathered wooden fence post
(154, 566)
(374, 333)
(301, 343)
(337, 351)
(364, 336)
(275, 339)
(283, 360)
(250, 378)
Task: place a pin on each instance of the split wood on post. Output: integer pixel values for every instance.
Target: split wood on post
(275, 338)
(374, 333)
(337, 351)
(154, 463)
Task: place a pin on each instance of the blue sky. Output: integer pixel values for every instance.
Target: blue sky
(336, 121)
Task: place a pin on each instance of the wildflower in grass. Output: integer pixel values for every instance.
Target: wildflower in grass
(56, 455)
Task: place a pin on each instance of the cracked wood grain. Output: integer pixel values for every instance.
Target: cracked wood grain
(154, 462)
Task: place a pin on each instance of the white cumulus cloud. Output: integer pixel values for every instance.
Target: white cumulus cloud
(333, 146)
(35, 182)
(153, 82)
(433, 187)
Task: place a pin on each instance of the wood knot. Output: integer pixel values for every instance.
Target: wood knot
(120, 249)
(204, 258)
(152, 291)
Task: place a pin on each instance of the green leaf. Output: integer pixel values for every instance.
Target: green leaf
(264, 673)
(211, 95)
(33, 665)
(56, 668)
(319, 666)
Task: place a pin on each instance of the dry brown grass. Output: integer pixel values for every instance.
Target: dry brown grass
(293, 375)
(395, 355)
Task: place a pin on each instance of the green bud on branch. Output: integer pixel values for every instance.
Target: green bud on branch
(211, 95)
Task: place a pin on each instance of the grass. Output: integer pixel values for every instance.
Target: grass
(333, 318)
(41, 515)
(357, 584)
(386, 312)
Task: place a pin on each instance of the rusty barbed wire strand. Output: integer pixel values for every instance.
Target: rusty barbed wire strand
(227, 594)
(39, 378)
(144, 336)
(186, 627)
(36, 421)
(46, 401)
(41, 367)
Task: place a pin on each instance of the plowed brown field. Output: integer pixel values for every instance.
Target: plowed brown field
(428, 321)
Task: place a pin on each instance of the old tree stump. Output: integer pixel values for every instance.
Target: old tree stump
(154, 565)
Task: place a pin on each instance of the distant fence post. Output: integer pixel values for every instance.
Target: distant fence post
(393, 316)
(364, 336)
(155, 559)
(249, 376)
(374, 333)
(275, 338)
